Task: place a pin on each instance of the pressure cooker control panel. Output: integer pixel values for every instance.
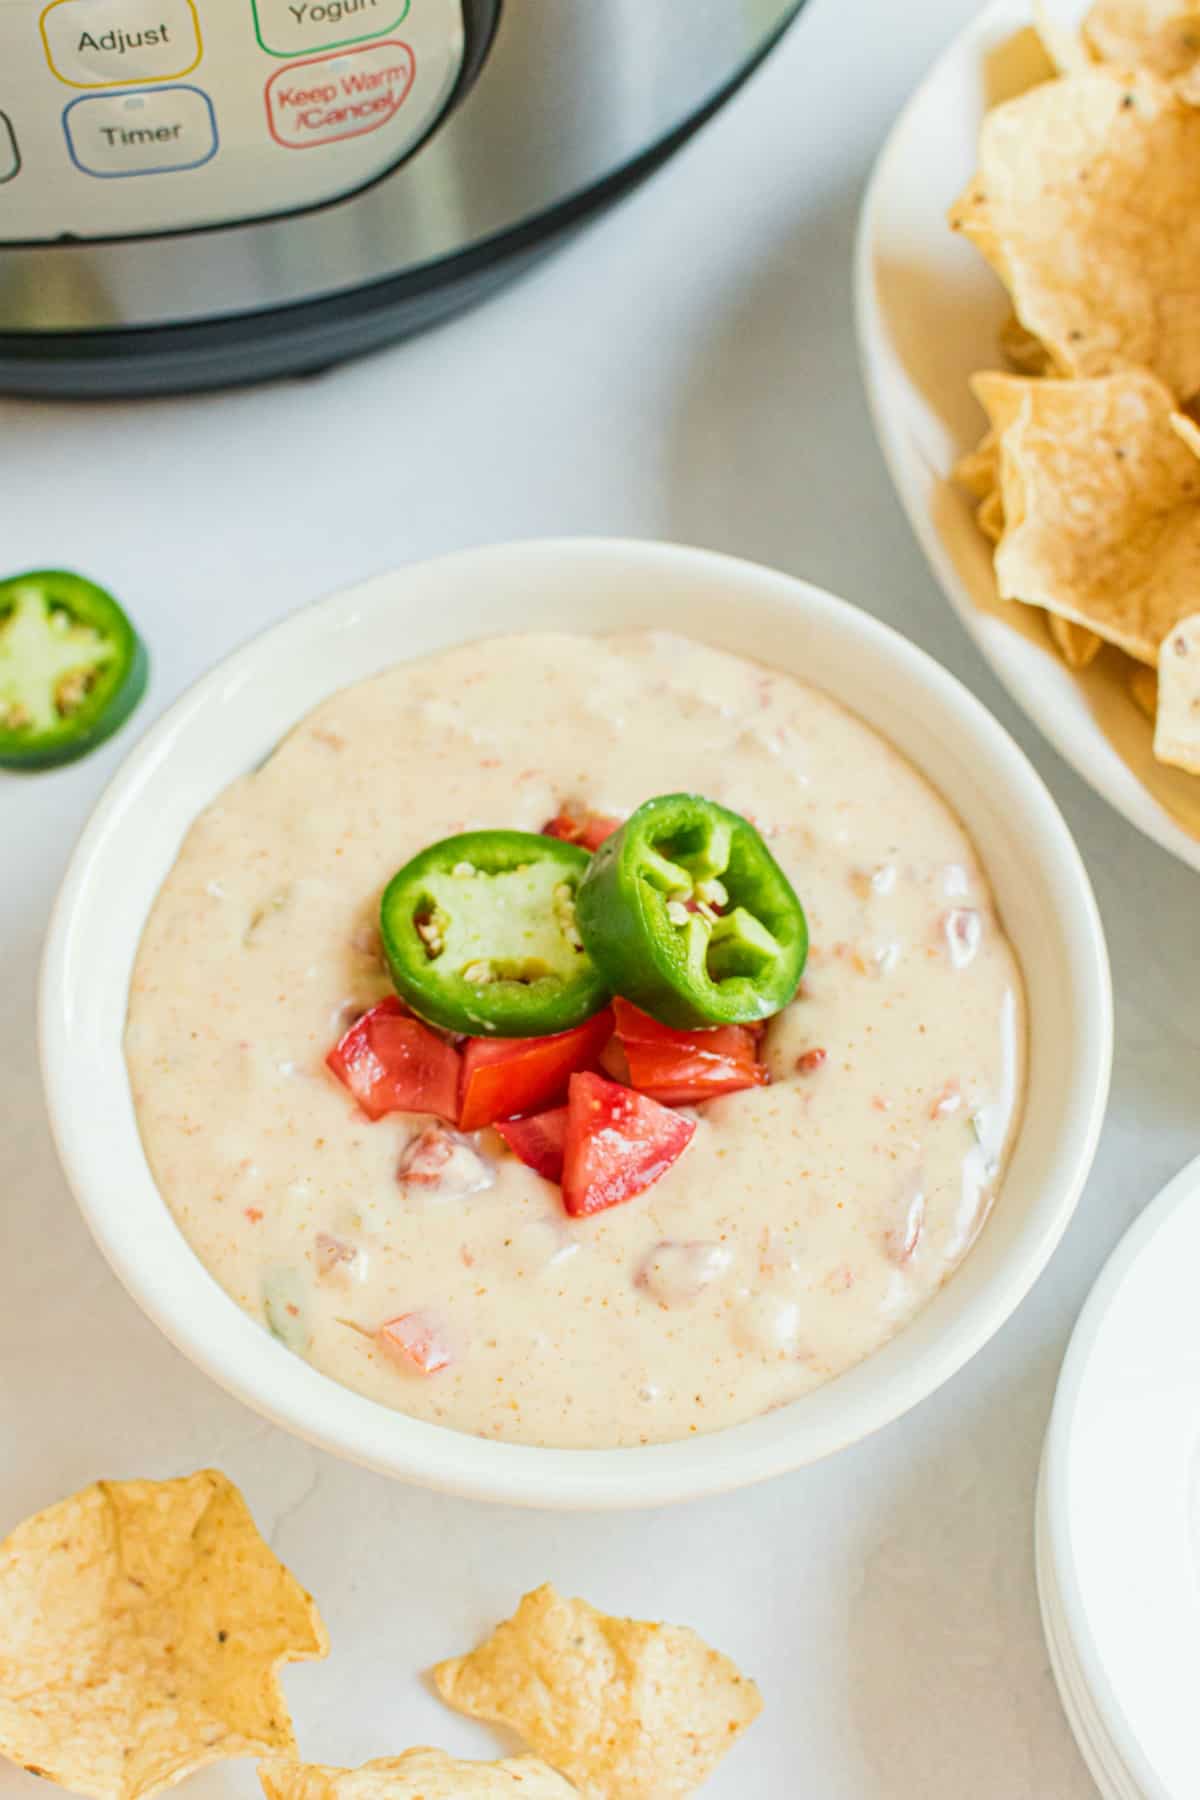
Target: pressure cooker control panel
(120, 118)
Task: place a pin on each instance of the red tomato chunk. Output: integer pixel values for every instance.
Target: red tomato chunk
(393, 1063)
(539, 1142)
(680, 1068)
(504, 1077)
(618, 1144)
(413, 1339)
(590, 829)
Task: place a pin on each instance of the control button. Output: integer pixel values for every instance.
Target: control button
(332, 97)
(152, 131)
(113, 43)
(289, 27)
(10, 156)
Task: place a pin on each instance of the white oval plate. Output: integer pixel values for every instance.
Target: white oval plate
(1119, 1510)
(928, 312)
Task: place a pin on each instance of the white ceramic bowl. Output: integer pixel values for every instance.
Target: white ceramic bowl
(232, 719)
(929, 310)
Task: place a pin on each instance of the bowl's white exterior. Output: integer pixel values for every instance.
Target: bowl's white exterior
(233, 718)
(928, 313)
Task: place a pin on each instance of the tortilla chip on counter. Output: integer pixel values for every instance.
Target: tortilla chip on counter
(420, 1774)
(627, 1710)
(141, 1627)
(1177, 726)
(1101, 498)
(1085, 205)
(1160, 35)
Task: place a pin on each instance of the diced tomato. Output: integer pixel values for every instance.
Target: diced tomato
(538, 1141)
(393, 1063)
(618, 1144)
(505, 1077)
(413, 1339)
(682, 1067)
(590, 829)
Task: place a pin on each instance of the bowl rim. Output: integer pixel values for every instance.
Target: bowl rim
(242, 1358)
(1150, 817)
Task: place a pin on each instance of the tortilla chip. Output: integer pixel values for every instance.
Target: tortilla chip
(1076, 644)
(417, 1775)
(1085, 206)
(1159, 35)
(989, 516)
(1143, 688)
(1101, 500)
(1065, 48)
(141, 1627)
(978, 470)
(1177, 729)
(627, 1710)
(1019, 347)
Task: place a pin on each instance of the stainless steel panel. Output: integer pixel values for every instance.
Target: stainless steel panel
(571, 91)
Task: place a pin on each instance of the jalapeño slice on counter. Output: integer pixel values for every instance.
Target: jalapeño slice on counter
(480, 935)
(685, 912)
(72, 668)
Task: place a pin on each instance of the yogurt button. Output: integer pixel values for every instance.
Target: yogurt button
(113, 43)
(151, 132)
(289, 27)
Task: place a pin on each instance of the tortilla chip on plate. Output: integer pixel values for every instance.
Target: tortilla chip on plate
(1027, 354)
(979, 470)
(1142, 683)
(1177, 728)
(1085, 204)
(1076, 644)
(417, 1775)
(1159, 35)
(1065, 47)
(1101, 497)
(141, 1627)
(626, 1709)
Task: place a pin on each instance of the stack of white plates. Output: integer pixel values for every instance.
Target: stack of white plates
(1118, 1527)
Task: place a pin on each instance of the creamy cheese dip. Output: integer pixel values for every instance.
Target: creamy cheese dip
(806, 1223)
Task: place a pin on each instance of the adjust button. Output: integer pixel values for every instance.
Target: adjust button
(113, 43)
(289, 27)
(10, 156)
(153, 131)
(344, 95)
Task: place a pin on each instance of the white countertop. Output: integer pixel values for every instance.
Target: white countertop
(684, 369)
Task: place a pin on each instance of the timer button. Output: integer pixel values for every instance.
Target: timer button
(290, 27)
(114, 43)
(10, 156)
(328, 98)
(153, 131)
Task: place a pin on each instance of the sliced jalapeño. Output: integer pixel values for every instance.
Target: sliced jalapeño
(480, 935)
(685, 912)
(72, 668)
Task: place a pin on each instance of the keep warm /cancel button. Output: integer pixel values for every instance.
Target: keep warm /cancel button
(326, 98)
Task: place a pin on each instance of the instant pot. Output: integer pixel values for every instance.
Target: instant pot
(195, 192)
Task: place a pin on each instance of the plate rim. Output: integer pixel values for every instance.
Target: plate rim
(1178, 1192)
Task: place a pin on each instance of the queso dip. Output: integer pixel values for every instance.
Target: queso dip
(806, 1222)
